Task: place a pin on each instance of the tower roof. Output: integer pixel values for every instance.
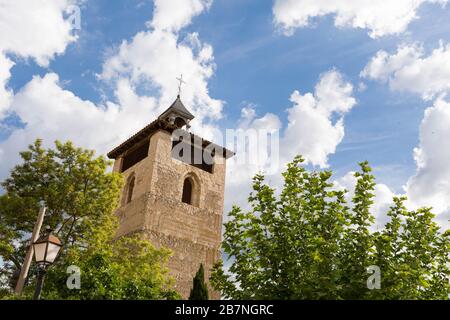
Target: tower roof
(177, 108)
(163, 122)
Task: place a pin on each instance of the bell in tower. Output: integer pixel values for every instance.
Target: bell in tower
(177, 114)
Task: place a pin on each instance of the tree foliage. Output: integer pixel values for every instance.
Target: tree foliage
(80, 196)
(69, 181)
(113, 269)
(199, 289)
(309, 242)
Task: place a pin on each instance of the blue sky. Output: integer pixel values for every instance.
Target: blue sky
(255, 64)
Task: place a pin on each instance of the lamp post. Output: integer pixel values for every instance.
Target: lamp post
(46, 250)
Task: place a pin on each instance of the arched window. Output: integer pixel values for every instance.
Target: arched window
(187, 191)
(130, 190)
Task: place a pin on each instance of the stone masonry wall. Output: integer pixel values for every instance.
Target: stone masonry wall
(193, 233)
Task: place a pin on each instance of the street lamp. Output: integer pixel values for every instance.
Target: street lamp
(46, 250)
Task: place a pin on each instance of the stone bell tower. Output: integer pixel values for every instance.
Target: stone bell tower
(171, 198)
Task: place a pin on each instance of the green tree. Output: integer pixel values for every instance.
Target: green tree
(80, 196)
(356, 252)
(109, 269)
(69, 181)
(125, 268)
(199, 289)
(388, 248)
(413, 255)
(309, 243)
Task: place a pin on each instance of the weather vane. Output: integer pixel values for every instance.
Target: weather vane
(180, 79)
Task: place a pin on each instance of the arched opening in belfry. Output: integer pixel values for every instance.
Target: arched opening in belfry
(130, 190)
(187, 191)
(180, 122)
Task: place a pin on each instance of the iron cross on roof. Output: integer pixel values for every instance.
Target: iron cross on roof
(180, 79)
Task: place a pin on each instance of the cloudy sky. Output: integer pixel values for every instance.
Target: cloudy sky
(341, 81)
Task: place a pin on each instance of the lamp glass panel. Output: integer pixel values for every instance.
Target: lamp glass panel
(39, 251)
(52, 252)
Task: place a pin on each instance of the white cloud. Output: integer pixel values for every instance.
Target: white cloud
(152, 58)
(251, 150)
(311, 130)
(383, 65)
(430, 186)
(5, 94)
(35, 29)
(175, 14)
(410, 70)
(248, 114)
(382, 17)
(30, 29)
(51, 112)
(155, 57)
(429, 76)
(249, 120)
(243, 166)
